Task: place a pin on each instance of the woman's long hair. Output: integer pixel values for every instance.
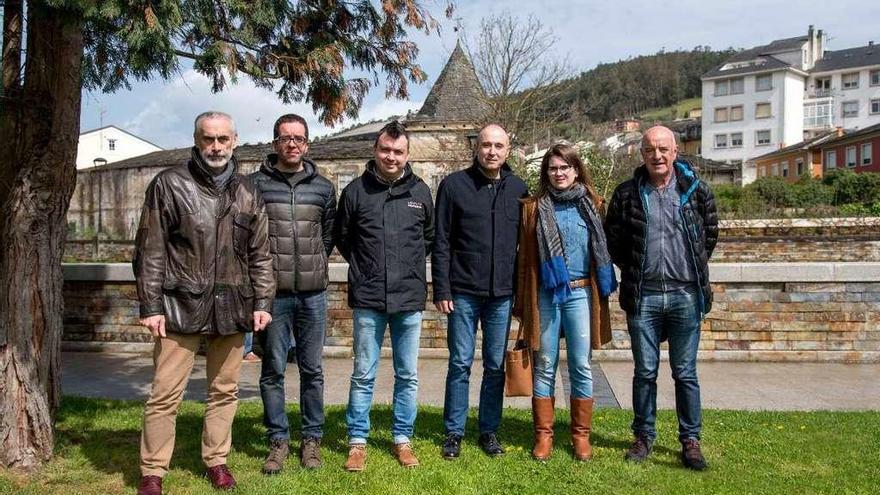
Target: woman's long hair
(571, 157)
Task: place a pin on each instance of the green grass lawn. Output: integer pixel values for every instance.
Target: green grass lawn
(677, 111)
(748, 452)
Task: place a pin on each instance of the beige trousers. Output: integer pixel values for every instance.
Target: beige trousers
(173, 359)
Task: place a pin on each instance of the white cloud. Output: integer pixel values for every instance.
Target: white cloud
(168, 115)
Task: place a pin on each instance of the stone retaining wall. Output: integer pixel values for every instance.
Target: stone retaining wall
(763, 311)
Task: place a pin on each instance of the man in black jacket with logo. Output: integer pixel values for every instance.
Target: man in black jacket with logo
(472, 268)
(662, 226)
(300, 204)
(384, 229)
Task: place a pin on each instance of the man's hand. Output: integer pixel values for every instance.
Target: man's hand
(261, 320)
(156, 324)
(444, 306)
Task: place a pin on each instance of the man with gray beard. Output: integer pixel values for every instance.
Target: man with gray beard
(203, 269)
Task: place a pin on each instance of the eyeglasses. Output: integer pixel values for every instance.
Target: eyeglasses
(564, 169)
(297, 140)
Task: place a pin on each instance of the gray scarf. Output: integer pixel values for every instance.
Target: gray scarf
(551, 250)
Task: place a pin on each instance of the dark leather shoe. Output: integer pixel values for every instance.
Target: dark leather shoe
(221, 477)
(640, 448)
(452, 446)
(150, 485)
(691, 455)
(490, 445)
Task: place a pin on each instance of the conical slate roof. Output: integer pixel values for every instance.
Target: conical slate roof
(457, 94)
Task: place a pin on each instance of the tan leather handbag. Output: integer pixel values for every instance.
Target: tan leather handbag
(518, 368)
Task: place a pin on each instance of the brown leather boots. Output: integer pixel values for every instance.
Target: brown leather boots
(581, 423)
(542, 419)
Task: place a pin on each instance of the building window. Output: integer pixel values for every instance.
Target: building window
(875, 78)
(800, 166)
(736, 140)
(850, 156)
(785, 169)
(762, 137)
(774, 169)
(823, 86)
(875, 106)
(721, 114)
(737, 86)
(762, 110)
(722, 88)
(111, 144)
(850, 80)
(721, 140)
(850, 109)
(736, 113)
(830, 159)
(764, 83)
(866, 154)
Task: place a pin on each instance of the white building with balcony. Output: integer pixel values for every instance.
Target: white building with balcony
(110, 144)
(772, 96)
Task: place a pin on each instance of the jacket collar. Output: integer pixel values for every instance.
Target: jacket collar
(202, 174)
(270, 168)
(399, 187)
(480, 178)
(685, 177)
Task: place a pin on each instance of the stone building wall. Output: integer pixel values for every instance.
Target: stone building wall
(827, 312)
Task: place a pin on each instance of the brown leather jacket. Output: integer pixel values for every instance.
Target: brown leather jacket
(202, 251)
(528, 283)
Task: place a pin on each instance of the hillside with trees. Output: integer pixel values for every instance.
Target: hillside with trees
(630, 87)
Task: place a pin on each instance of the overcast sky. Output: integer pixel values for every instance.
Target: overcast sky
(589, 33)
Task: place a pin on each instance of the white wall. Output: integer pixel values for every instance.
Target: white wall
(95, 144)
(863, 94)
(749, 125)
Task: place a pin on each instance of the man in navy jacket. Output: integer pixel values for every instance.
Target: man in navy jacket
(473, 265)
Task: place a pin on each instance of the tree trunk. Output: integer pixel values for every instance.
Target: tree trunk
(39, 129)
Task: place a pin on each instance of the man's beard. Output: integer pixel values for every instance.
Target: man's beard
(215, 161)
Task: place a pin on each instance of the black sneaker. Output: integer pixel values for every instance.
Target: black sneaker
(490, 444)
(640, 448)
(452, 446)
(691, 455)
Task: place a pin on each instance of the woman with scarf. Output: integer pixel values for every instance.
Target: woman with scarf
(564, 278)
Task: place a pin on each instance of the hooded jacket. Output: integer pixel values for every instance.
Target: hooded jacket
(202, 251)
(300, 224)
(626, 227)
(385, 230)
(475, 242)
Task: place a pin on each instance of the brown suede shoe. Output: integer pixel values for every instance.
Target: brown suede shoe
(310, 453)
(150, 485)
(640, 448)
(692, 456)
(221, 477)
(278, 450)
(357, 458)
(405, 455)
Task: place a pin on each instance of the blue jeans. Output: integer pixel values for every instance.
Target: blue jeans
(369, 331)
(572, 319)
(301, 317)
(493, 314)
(248, 343)
(672, 315)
